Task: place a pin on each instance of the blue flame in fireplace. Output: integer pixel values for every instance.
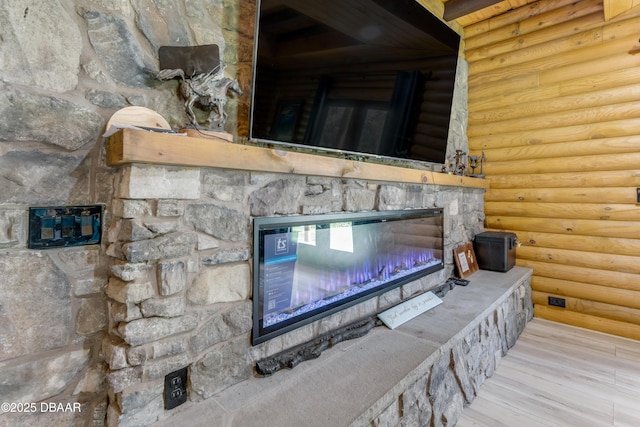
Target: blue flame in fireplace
(315, 289)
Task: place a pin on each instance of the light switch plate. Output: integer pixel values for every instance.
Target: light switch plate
(61, 226)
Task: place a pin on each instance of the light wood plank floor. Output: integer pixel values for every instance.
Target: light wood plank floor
(560, 375)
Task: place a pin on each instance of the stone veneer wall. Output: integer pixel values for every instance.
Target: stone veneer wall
(453, 377)
(441, 359)
(180, 288)
(65, 67)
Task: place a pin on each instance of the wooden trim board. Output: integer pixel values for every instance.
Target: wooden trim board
(136, 146)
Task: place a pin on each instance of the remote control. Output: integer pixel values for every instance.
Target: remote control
(456, 281)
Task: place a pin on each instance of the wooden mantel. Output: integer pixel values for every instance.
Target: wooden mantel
(139, 146)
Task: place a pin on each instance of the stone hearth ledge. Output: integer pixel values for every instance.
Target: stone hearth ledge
(372, 380)
(136, 146)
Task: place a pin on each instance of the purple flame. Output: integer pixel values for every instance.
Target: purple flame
(337, 285)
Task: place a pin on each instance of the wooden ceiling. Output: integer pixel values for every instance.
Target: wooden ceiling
(468, 12)
(459, 8)
(480, 11)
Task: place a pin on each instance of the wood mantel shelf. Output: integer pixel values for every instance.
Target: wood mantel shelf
(139, 146)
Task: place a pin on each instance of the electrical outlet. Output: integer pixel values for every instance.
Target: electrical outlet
(557, 302)
(175, 388)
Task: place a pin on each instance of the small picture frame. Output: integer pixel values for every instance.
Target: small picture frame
(465, 259)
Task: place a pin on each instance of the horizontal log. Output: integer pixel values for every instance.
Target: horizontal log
(592, 308)
(134, 146)
(603, 162)
(590, 147)
(563, 195)
(587, 18)
(567, 91)
(611, 245)
(605, 294)
(487, 82)
(522, 21)
(531, 110)
(613, 327)
(509, 86)
(584, 258)
(588, 68)
(571, 179)
(576, 46)
(556, 26)
(608, 212)
(612, 279)
(567, 117)
(518, 14)
(618, 128)
(549, 20)
(588, 38)
(579, 227)
(528, 24)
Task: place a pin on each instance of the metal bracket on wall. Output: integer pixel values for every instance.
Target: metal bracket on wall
(60, 226)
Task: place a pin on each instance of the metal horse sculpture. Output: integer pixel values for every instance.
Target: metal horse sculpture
(207, 89)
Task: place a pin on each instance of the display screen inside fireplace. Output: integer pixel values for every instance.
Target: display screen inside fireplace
(308, 267)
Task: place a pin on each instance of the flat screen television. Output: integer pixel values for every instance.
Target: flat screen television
(371, 77)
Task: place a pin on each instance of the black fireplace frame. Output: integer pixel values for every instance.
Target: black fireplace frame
(261, 334)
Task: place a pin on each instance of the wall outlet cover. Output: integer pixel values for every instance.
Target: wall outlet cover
(557, 302)
(175, 388)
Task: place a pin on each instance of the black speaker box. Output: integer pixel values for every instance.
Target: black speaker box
(495, 250)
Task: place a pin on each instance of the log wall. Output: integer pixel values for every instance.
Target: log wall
(554, 103)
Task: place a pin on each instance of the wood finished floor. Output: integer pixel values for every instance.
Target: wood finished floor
(559, 375)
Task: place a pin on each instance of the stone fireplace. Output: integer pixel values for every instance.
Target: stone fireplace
(169, 287)
(180, 291)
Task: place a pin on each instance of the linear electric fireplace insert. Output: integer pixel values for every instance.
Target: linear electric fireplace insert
(307, 267)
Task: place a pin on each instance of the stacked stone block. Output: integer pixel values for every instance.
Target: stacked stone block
(56, 361)
(453, 377)
(180, 281)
